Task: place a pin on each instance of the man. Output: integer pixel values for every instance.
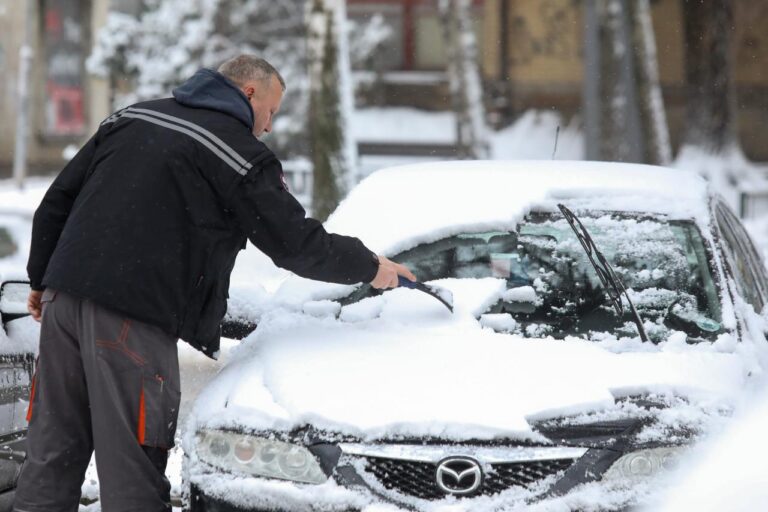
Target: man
(132, 248)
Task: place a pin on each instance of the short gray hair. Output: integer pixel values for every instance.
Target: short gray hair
(244, 68)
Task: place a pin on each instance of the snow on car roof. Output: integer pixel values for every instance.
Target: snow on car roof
(394, 209)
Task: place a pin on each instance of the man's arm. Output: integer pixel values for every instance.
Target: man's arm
(53, 211)
(276, 223)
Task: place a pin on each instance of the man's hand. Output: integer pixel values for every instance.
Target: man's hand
(34, 306)
(386, 277)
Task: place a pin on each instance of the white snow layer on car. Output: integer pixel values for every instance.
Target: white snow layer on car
(402, 364)
(394, 209)
(398, 208)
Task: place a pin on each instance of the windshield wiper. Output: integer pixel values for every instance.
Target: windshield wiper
(611, 283)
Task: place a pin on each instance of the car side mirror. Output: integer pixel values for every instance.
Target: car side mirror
(13, 300)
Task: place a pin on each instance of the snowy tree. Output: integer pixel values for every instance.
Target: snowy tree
(710, 115)
(616, 143)
(711, 144)
(333, 151)
(464, 78)
(653, 119)
(171, 39)
(624, 109)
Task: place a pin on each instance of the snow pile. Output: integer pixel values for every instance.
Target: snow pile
(22, 201)
(351, 377)
(406, 205)
(532, 137)
(730, 172)
(728, 471)
(19, 229)
(392, 125)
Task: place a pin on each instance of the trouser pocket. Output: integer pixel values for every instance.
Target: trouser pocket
(158, 410)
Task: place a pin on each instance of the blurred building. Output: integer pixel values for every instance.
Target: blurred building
(532, 58)
(531, 53)
(66, 102)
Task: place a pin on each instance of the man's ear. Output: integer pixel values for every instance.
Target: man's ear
(249, 91)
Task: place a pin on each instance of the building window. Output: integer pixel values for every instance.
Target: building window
(417, 35)
(64, 40)
(391, 56)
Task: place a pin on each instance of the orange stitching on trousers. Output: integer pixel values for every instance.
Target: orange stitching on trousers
(142, 417)
(121, 346)
(32, 396)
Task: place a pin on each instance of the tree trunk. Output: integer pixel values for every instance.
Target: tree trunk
(711, 103)
(619, 124)
(653, 119)
(331, 152)
(23, 103)
(464, 78)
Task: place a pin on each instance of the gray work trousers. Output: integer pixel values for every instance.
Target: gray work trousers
(107, 383)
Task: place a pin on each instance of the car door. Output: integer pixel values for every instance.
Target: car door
(744, 261)
(16, 367)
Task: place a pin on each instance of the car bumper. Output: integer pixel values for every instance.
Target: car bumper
(213, 491)
(201, 502)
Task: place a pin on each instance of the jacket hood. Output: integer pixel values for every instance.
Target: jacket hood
(212, 90)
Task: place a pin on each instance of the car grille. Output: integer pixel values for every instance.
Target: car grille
(417, 479)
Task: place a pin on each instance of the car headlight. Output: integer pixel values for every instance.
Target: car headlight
(259, 456)
(643, 463)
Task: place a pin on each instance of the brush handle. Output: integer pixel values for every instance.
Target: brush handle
(404, 281)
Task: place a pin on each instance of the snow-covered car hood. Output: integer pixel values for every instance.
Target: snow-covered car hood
(402, 364)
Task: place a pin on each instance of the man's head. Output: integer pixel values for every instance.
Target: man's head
(262, 85)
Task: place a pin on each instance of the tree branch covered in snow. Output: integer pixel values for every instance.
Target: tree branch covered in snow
(653, 117)
(711, 146)
(174, 38)
(333, 151)
(465, 81)
(146, 57)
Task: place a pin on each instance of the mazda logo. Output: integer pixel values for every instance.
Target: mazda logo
(458, 475)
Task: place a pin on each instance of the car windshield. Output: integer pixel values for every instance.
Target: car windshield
(553, 290)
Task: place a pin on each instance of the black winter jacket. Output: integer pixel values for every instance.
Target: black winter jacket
(149, 216)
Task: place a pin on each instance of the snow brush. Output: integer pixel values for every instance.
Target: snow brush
(444, 296)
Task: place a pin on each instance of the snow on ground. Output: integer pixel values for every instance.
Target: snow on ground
(727, 471)
(23, 201)
(403, 125)
(531, 137)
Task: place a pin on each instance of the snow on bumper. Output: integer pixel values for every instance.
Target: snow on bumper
(220, 492)
(224, 492)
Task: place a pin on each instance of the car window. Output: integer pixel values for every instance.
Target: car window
(552, 289)
(7, 246)
(745, 262)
